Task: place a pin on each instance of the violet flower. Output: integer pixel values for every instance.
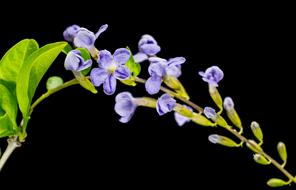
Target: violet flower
(147, 47)
(82, 37)
(165, 104)
(159, 69)
(111, 68)
(212, 75)
(75, 62)
(125, 106)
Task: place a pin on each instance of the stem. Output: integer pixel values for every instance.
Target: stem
(13, 143)
(50, 92)
(233, 131)
(173, 94)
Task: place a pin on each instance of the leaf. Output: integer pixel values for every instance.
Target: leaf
(275, 182)
(32, 72)
(281, 147)
(135, 68)
(54, 82)
(14, 58)
(8, 112)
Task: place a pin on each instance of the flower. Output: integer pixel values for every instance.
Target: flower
(212, 75)
(165, 104)
(71, 32)
(159, 69)
(147, 47)
(110, 68)
(180, 119)
(125, 106)
(210, 113)
(84, 38)
(75, 62)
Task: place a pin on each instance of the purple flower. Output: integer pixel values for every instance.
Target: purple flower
(210, 113)
(125, 106)
(71, 32)
(165, 104)
(84, 38)
(159, 69)
(180, 119)
(212, 75)
(75, 62)
(111, 68)
(147, 47)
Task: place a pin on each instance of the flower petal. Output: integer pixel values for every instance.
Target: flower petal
(121, 56)
(70, 32)
(165, 104)
(122, 72)
(85, 65)
(156, 69)
(72, 60)
(180, 119)
(153, 84)
(148, 45)
(84, 39)
(140, 57)
(105, 59)
(126, 119)
(123, 95)
(102, 29)
(110, 85)
(174, 71)
(176, 61)
(124, 107)
(98, 76)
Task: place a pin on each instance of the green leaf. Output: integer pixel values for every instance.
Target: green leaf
(84, 82)
(14, 58)
(32, 72)
(275, 182)
(54, 82)
(281, 147)
(135, 68)
(8, 112)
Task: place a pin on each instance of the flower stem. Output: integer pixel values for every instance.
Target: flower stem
(50, 92)
(13, 143)
(231, 130)
(173, 94)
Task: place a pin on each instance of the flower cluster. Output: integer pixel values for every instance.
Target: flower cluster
(115, 67)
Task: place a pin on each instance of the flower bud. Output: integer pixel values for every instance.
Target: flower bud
(275, 182)
(281, 147)
(201, 120)
(260, 159)
(257, 131)
(231, 113)
(218, 139)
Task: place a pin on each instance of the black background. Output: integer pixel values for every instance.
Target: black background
(75, 138)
